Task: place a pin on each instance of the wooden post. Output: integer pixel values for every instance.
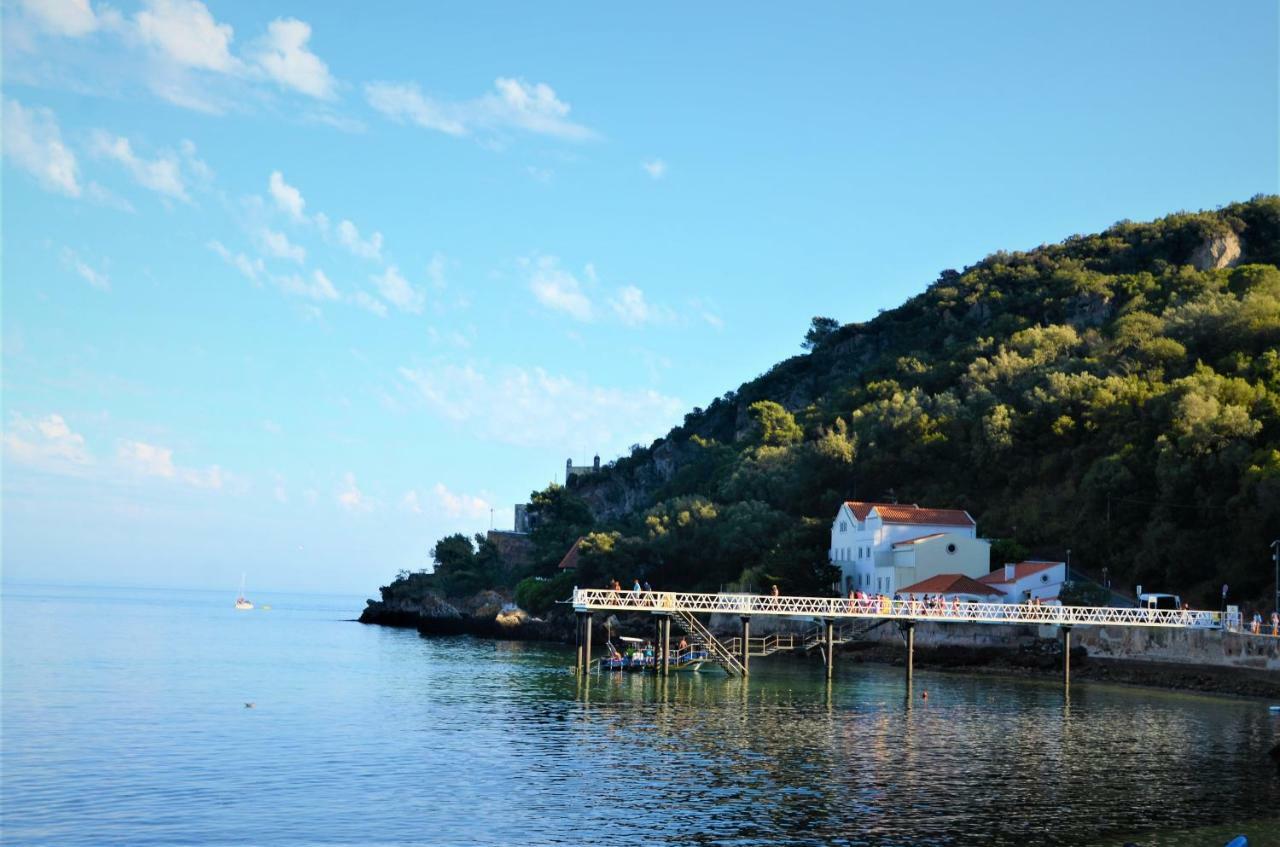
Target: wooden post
(911, 650)
(577, 643)
(746, 648)
(831, 647)
(586, 643)
(1066, 657)
(666, 644)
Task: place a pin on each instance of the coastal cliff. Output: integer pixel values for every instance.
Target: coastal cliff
(486, 614)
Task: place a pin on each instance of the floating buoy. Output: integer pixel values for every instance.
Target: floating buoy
(1274, 708)
(924, 696)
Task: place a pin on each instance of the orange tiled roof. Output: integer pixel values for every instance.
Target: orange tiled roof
(996, 577)
(916, 515)
(951, 583)
(862, 508)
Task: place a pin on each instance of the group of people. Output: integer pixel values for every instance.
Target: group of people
(1256, 625)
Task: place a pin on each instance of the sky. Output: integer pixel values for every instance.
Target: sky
(295, 289)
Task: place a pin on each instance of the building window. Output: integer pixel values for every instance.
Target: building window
(843, 526)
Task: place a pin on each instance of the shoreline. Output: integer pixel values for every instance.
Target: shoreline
(1040, 659)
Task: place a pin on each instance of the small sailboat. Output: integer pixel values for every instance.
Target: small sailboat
(241, 603)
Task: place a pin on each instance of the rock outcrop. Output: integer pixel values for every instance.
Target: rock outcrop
(487, 614)
(1217, 251)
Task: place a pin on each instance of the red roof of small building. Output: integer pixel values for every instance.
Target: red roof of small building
(996, 577)
(570, 559)
(904, 542)
(862, 508)
(951, 583)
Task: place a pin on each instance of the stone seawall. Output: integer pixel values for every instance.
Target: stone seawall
(1135, 644)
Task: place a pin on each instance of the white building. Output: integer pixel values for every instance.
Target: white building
(880, 547)
(1031, 580)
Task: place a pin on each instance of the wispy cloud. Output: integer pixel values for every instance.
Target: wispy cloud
(278, 244)
(143, 459)
(33, 142)
(513, 105)
(351, 498)
(251, 268)
(185, 32)
(532, 407)
(460, 505)
(365, 248)
(316, 287)
(69, 18)
(655, 168)
(631, 307)
(46, 443)
(557, 288)
(398, 291)
(96, 278)
(162, 174)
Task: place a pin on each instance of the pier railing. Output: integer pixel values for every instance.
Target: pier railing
(883, 608)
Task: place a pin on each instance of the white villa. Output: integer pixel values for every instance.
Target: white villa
(881, 547)
(1031, 580)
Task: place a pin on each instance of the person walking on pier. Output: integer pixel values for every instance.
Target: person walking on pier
(775, 591)
(1275, 624)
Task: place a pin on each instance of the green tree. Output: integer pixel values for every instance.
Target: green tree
(820, 329)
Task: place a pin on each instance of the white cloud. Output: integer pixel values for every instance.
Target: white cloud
(282, 53)
(143, 459)
(251, 268)
(531, 407)
(405, 102)
(317, 287)
(349, 237)
(70, 18)
(397, 291)
(162, 175)
(460, 505)
(370, 303)
(96, 278)
(33, 142)
(351, 497)
(655, 168)
(410, 502)
(435, 271)
(185, 32)
(633, 309)
(46, 443)
(288, 198)
(514, 104)
(557, 288)
(279, 245)
(147, 459)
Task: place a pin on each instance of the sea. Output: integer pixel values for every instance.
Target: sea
(166, 717)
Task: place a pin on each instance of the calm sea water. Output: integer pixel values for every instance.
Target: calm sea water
(124, 722)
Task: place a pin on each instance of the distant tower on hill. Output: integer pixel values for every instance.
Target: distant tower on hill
(571, 470)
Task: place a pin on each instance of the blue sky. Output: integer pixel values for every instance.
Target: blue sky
(295, 290)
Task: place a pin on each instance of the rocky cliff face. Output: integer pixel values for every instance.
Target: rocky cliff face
(1217, 252)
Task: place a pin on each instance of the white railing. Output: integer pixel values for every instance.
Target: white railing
(598, 599)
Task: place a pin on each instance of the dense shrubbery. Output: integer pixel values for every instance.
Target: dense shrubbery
(1101, 395)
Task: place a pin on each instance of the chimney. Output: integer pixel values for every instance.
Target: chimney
(596, 463)
(1009, 570)
(568, 470)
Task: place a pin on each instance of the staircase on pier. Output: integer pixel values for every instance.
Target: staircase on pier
(703, 640)
(767, 645)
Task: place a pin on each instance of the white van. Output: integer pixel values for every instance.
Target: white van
(1159, 601)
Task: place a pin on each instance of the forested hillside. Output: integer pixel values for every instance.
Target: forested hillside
(1116, 394)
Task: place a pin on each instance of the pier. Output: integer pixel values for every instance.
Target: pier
(840, 620)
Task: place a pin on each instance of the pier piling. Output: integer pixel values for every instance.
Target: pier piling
(831, 646)
(746, 648)
(910, 627)
(586, 643)
(1066, 657)
(577, 643)
(666, 644)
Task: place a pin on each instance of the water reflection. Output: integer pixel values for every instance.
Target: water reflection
(788, 755)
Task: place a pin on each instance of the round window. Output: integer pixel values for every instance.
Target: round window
(951, 548)
(1044, 577)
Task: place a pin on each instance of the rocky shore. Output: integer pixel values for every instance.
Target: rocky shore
(487, 614)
